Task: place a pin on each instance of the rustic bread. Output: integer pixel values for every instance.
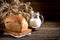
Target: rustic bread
(16, 23)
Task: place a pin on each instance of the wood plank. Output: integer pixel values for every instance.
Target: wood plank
(42, 34)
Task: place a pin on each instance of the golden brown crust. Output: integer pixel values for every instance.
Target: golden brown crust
(16, 23)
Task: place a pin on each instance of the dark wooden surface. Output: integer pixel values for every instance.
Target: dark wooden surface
(48, 31)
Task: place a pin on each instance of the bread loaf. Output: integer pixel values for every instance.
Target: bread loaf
(16, 23)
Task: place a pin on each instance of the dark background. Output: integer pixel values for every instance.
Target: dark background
(50, 30)
(50, 9)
